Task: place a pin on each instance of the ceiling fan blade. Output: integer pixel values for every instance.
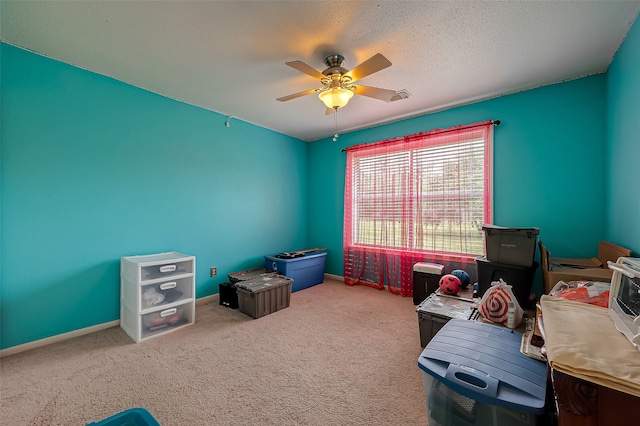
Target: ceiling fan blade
(374, 64)
(375, 92)
(297, 95)
(307, 69)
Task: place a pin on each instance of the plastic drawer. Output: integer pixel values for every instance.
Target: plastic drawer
(165, 293)
(157, 267)
(143, 326)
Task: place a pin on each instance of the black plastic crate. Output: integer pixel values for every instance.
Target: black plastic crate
(520, 278)
(228, 295)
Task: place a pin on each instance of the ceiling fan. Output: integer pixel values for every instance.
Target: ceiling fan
(338, 83)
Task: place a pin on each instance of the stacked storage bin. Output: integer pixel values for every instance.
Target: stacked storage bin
(510, 256)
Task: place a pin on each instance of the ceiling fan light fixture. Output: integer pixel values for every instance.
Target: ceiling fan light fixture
(336, 97)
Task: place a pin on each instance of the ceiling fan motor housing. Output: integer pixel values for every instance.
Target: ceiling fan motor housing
(334, 64)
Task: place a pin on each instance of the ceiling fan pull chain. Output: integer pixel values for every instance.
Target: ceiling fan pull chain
(335, 121)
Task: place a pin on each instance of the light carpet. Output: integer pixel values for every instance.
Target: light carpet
(337, 355)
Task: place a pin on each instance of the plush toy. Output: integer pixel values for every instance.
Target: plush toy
(450, 284)
(463, 276)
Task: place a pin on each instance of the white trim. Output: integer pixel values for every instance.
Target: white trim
(81, 332)
(207, 299)
(334, 277)
(57, 338)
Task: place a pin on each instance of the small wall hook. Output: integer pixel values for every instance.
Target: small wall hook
(228, 123)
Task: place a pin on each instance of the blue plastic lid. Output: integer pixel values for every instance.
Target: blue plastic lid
(483, 362)
(307, 256)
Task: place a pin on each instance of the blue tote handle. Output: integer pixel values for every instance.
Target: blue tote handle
(469, 378)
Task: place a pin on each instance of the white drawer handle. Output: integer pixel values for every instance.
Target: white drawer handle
(167, 286)
(168, 312)
(167, 268)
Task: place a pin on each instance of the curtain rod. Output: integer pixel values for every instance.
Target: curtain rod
(453, 129)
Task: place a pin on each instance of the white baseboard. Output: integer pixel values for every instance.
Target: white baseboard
(207, 299)
(334, 277)
(87, 330)
(57, 338)
(81, 332)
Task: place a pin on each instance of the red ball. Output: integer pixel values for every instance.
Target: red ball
(450, 284)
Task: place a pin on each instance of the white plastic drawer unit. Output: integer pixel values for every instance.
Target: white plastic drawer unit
(157, 294)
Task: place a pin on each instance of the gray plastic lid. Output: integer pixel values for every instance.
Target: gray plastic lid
(264, 282)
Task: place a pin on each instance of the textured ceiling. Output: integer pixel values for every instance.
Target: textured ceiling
(229, 56)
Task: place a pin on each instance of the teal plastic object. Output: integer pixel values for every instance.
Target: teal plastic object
(130, 417)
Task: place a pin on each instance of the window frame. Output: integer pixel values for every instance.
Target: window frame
(436, 139)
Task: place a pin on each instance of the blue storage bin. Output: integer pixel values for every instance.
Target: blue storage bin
(130, 417)
(474, 374)
(305, 271)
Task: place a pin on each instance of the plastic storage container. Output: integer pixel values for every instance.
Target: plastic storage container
(264, 295)
(157, 294)
(475, 375)
(131, 417)
(511, 246)
(520, 278)
(228, 295)
(305, 271)
(248, 274)
(426, 277)
(437, 309)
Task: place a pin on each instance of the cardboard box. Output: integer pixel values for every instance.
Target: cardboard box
(556, 269)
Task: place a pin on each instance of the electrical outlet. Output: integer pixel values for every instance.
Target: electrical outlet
(214, 271)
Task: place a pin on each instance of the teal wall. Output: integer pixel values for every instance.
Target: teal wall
(623, 144)
(548, 166)
(94, 169)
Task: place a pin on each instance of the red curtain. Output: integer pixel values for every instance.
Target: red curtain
(417, 198)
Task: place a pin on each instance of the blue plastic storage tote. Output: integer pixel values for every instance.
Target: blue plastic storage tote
(131, 417)
(474, 374)
(305, 271)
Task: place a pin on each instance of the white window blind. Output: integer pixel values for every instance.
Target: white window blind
(427, 193)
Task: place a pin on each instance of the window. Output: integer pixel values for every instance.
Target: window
(420, 195)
